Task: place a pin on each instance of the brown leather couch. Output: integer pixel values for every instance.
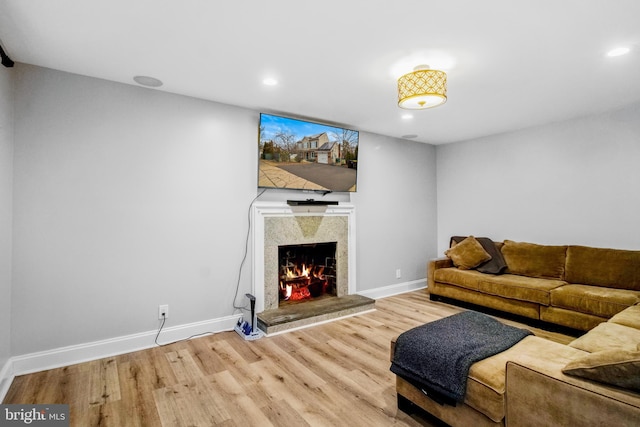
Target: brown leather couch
(574, 286)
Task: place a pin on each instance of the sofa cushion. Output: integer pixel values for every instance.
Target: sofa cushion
(608, 336)
(616, 367)
(570, 318)
(486, 381)
(462, 278)
(519, 287)
(529, 259)
(596, 300)
(468, 254)
(612, 268)
(628, 317)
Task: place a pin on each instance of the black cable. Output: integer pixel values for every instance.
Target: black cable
(246, 251)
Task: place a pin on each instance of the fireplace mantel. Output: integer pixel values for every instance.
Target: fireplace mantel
(263, 210)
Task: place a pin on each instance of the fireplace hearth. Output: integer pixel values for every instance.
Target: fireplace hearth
(293, 316)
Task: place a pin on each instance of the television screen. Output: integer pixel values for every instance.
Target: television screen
(301, 155)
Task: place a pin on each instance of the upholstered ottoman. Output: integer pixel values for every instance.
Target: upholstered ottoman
(484, 398)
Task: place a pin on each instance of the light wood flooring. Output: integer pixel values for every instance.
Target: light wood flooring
(334, 374)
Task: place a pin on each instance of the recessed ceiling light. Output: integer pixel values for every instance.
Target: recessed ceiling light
(147, 81)
(618, 51)
(269, 81)
(407, 116)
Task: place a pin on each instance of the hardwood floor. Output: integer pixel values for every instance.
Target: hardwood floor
(334, 374)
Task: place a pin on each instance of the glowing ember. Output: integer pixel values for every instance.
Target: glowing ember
(295, 292)
(300, 294)
(302, 282)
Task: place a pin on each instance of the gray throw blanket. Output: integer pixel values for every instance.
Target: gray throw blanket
(437, 356)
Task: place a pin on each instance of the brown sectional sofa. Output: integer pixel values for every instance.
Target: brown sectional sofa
(573, 286)
(588, 289)
(526, 386)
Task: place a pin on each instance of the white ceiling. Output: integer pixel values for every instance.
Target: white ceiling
(511, 63)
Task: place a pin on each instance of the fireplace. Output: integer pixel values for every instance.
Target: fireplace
(306, 272)
(277, 224)
(323, 236)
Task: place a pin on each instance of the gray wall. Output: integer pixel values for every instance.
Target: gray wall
(575, 182)
(6, 197)
(396, 210)
(126, 198)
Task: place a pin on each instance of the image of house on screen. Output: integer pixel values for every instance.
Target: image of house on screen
(318, 148)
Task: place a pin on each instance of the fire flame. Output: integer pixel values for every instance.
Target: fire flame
(295, 272)
(303, 276)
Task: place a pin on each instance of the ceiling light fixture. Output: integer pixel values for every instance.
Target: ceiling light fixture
(147, 81)
(422, 88)
(618, 51)
(270, 81)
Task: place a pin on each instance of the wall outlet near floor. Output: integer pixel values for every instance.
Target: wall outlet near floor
(163, 311)
(398, 274)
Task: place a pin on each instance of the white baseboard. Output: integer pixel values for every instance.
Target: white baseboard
(63, 356)
(399, 288)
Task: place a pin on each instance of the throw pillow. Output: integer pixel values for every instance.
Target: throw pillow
(616, 367)
(496, 264)
(467, 254)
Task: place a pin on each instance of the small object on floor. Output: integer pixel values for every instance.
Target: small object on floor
(243, 329)
(246, 330)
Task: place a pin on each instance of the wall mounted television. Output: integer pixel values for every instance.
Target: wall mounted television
(302, 155)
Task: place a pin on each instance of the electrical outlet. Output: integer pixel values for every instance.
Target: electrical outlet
(163, 311)
(398, 274)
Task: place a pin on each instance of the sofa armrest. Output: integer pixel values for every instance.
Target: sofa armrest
(543, 396)
(433, 265)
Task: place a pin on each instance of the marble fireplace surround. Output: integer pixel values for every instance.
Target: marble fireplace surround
(276, 224)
